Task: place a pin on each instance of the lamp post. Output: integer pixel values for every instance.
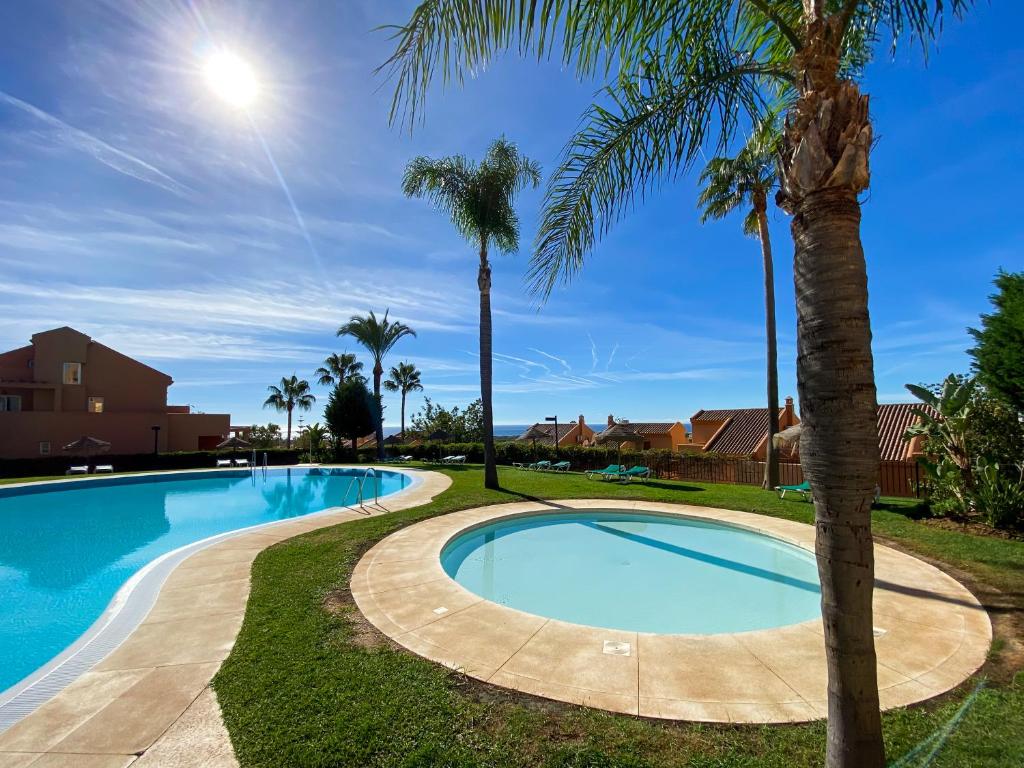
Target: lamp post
(156, 439)
(554, 419)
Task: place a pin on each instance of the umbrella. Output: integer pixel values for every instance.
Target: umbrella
(788, 438)
(620, 433)
(87, 445)
(234, 442)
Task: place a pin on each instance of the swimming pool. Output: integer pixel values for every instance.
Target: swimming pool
(637, 571)
(66, 548)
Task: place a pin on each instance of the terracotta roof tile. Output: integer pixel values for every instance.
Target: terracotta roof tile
(743, 432)
(893, 420)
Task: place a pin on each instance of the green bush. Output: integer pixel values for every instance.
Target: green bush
(999, 495)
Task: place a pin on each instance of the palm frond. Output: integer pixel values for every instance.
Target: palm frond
(651, 133)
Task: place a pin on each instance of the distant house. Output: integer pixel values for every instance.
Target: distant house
(574, 433)
(737, 431)
(64, 386)
(743, 432)
(652, 435)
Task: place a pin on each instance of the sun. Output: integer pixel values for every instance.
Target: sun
(231, 78)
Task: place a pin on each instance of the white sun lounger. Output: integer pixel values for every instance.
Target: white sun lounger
(223, 462)
(78, 469)
(104, 468)
(241, 462)
(453, 460)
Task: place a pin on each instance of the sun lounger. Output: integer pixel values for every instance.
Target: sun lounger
(612, 470)
(78, 469)
(637, 472)
(241, 462)
(103, 468)
(804, 489)
(541, 466)
(223, 462)
(453, 460)
(561, 466)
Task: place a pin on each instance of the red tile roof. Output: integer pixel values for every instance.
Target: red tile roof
(893, 420)
(743, 431)
(548, 430)
(745, 428)
(647, 427)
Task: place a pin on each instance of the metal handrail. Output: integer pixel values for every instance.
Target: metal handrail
(370, 472)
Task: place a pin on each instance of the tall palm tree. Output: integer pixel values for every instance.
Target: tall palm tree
(291, 394)
(746, 181)
(337, 369)
(377, 337)
(404, 378)
(684, 76)
(480, 199)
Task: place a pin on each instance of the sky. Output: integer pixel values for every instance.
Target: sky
(225, 248)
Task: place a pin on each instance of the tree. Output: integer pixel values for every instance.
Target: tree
(265, 437)
(351, 412)
(742, 181)
(403, 378)
(312, 438)
(291, 394)
(378, 337)
(683, 77)
(999, 353)
(461, 425)
(337, 369)
(480, 201)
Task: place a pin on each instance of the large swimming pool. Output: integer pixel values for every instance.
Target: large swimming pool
(66, 548)
(638, 571)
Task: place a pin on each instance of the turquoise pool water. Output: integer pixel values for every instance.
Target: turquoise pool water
(65, 549)
(640, 572)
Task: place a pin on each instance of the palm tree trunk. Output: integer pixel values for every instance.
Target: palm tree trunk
(289, 440)
(378, 370)
(403, 415)
(483, 281)
(826, 143)
(771, 459)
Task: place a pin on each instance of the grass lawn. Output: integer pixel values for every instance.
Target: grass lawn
(308, 685)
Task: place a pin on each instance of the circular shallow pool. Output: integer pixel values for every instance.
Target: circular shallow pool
(637, 571)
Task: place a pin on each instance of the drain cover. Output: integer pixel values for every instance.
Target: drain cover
(616, 648)
(441, 611)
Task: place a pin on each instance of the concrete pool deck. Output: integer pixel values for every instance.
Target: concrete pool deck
(149, 703)
(931, 632)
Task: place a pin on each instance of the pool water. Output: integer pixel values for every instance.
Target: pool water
(66, 548)
(638, 571)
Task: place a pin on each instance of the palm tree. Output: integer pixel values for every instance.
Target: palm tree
(404, 378)
(377, 337)
(685, 76)
(479, 199)
(337, 369)
(291, 394)
(741, 181)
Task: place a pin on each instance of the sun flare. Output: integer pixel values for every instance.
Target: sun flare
(231, 78)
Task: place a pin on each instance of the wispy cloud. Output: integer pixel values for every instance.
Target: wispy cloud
(561, 361)
(112, 157)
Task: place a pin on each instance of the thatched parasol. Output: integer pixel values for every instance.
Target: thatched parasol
(234, 443)
(788, 439)
(620, 433)
(87, 446)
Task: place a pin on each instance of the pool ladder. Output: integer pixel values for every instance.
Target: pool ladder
(371, 473)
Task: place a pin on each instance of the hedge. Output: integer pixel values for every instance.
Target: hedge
(42, 466)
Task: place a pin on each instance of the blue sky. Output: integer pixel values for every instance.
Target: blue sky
(138, 208)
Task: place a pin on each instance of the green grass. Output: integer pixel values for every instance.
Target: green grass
(303, 687)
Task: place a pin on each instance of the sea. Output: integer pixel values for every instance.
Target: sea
(500, 430)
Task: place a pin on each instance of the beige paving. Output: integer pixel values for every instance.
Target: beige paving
(149, 704)
(933, 633)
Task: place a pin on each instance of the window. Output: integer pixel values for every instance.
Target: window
(95, 405)
(44, 448)
(10, 402)
(72, 373)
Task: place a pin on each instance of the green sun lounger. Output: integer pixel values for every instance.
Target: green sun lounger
(540, 466)
(612, 470)
(561, 466)
(804, 489)
(637, 472)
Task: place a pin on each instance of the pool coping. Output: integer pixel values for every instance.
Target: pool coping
(57, 710)
(933, 633)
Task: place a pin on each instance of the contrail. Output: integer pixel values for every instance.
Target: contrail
(110, 156)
